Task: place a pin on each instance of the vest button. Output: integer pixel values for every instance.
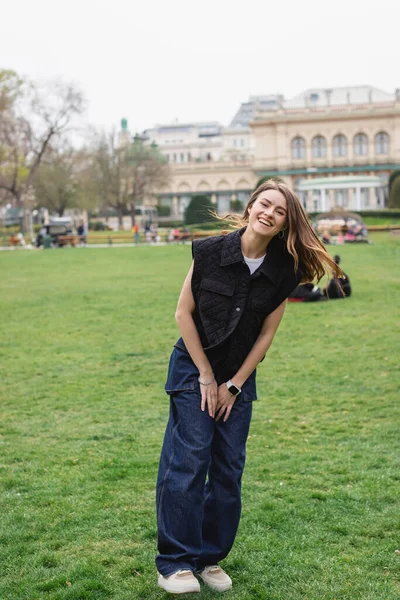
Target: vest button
(238, 309)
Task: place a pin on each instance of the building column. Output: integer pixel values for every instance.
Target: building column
(175, 206)
(323, 200)
(372, 197)
(358, 199)
(381, 197)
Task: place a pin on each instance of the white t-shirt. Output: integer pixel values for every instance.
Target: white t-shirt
(253, 263)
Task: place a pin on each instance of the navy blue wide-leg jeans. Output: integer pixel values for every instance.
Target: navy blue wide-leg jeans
(200, 473)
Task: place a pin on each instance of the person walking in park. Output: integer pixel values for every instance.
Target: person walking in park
(135, 231)
(228, 312)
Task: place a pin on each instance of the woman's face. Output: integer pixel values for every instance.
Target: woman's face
(268, 213)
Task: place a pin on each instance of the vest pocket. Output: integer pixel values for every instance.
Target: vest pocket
(215, 300)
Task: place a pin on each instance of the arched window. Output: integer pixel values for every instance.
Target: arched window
(319, 147)
(298, 147)
(339, 145)
(382, 143)
(360, 144)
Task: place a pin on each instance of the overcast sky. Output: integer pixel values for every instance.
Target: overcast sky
(161, 60)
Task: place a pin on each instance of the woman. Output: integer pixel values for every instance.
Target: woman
(228, 312)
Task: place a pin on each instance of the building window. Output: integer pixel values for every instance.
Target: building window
(182, 157)
(242, 142)
(341, 197)
(298, 148)
(174, 157)
(360, 144)
(340, 145)
(382, 143)
(189, 156)
(319, 147)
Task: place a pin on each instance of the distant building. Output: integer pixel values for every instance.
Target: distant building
(321, 133)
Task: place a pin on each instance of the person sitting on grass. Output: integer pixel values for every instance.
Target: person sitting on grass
(228, 312)
(340, 287)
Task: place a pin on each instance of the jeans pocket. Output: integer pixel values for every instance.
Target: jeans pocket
(249, 388)
(182, 373)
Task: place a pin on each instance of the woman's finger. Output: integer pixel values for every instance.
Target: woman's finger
(228, 412)
(211, 409)
(220, 412)
(203, 400)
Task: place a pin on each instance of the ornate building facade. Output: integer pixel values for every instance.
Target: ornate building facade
(333, 136)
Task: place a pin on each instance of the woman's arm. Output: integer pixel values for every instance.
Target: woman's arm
(256, 354)
(190, 335)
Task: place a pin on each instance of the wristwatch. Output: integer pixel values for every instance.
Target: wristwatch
(232, 388)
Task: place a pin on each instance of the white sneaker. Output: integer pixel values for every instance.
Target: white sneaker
(216, 578)
(181, 582)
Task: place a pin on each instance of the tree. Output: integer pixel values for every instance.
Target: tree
(103, 175)
(198, 210)
(125, 176)
(56, 184)
(146, 172)
(394, 196)
(392, 177)
(236, 205)
(10, 88)
(32, 117)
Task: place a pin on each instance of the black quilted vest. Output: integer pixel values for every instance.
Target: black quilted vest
(231, 303)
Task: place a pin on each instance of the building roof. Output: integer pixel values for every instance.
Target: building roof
(319, 97)
(343, 181)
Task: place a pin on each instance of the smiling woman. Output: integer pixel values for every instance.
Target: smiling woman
(229, 310)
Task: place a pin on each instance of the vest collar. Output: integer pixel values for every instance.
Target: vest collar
(276, 260)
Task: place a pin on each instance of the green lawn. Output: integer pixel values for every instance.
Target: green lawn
(85, 336)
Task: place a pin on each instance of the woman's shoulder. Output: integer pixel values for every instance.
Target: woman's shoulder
(207, 244)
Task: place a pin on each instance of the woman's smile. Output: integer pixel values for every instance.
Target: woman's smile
(268, 213)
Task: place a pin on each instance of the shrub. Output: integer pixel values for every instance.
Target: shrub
(163, 211)
(198, 210)
(394, 195)
(393, 176)
(97, 226)
(236, 206)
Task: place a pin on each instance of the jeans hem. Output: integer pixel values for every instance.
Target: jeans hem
(165, 572)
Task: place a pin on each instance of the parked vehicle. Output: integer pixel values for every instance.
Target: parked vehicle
(57, 230)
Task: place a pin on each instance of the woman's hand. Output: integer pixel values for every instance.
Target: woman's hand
(208, 393)
(225, 402)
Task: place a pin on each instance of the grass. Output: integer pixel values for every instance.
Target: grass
(85, 337)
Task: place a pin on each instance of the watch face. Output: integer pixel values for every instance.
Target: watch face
(233, 389)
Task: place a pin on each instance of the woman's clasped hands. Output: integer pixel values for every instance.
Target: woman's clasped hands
(217, 398)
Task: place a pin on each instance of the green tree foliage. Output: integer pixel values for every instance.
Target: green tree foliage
(237, 206)
(33, 118)
(393, 176)
(394, 195)
(124, 176)
(56, 183)
(10, 87)
(266, 177)
(198, 210)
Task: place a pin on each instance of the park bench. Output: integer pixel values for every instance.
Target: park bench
(71, 240)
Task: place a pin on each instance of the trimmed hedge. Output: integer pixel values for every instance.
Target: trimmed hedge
(383, 213)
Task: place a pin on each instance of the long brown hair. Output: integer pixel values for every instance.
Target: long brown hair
(301, 241)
